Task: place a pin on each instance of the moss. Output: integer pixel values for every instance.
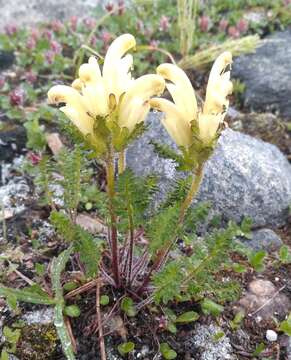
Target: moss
(37, 342)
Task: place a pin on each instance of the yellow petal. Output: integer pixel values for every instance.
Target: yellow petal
(180, 89)
(90, 73)
(208, 126)
(134, 114)
(113, 69)
(81, 120)
(66, 94)
(96, 99)
(77, 84)
(219, 86)
(175, 123)
(138, 95)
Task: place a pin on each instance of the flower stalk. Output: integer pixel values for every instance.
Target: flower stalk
(110, 177)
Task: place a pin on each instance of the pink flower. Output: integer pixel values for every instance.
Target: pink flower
(287, 2)
(35, 34)
(164, 23)
(154, 43)
(89, 22)
(121, 7)
(74, 22)
(57, 26)
(242, 26)
(140, 26)
(31, 77)
(50, 56)
(56, 47)
(47, 34)
(34, 157)
(31, 43)
(2, 81)
(16, 97)
(106, 37)
(233, 32)
(223, 25)
(204, 23)
(93, 40)
(10, 29)
(109, 6)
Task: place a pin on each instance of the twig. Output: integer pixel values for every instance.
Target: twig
(86, 287)
(98, 313)
(23, 277)
(71, 335)
(267, 302)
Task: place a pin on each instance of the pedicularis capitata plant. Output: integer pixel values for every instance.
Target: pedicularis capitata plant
(134, 257)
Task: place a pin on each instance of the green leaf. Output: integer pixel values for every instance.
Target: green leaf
(128, 307)
(209, 307)
(239, 268)
(162, 228)
(171, 327)
(63, 333)
(4, 355)
(187, 317)
(259, 349)
(72, 311)
(236, 322)
(40, 269)
(284, 254)
(58, 266)
(28, 295)
(69, 286)
(256, 259)
(285, 326)
(85, 244)
(218, 336)
(125, 348)
(104, 300)
(167, 352)
(11, 336)
(36, 139)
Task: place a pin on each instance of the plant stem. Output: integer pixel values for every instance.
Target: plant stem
(113, 233)
(163, 254)
(101, 337)
(131, 244)
(195, 185)
(121, 162)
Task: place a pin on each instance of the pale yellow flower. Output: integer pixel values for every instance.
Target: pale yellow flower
(88, 96)
(180, 114)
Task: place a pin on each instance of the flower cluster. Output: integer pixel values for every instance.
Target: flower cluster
(98, 94)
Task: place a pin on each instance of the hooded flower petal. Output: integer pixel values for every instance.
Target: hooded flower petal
(81, 120)
(113, 73)
(134, 105)
(219, 86)
(174, 121)
(75, 107)
(180, 89)
(208, 126)
(90, 73)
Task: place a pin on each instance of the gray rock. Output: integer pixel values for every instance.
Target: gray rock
(264, 301)
(289, 349)
(203, 342)
(40, 317)
(244, 177)
(267, 75)
(264, 239)
(23, 12)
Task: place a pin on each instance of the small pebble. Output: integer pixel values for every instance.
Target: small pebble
(271, 335)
